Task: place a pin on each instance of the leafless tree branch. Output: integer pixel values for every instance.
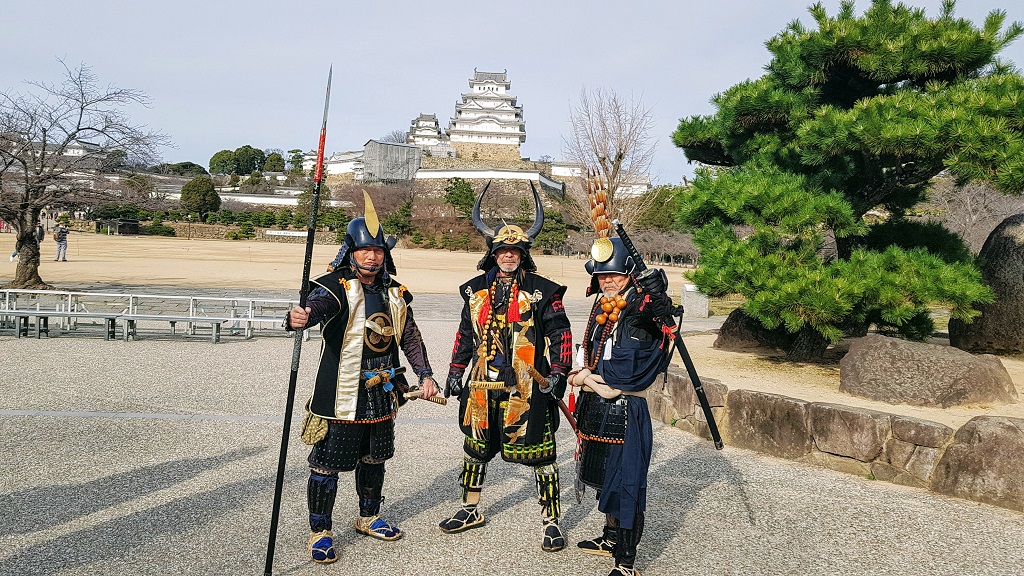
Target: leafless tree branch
(612, 134)
(54, 142)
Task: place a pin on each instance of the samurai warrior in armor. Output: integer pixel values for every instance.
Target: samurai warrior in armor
(624, 349)
(365, 318)
(511, 354)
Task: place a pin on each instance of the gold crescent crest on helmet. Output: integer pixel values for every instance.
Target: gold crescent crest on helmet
(370, 219)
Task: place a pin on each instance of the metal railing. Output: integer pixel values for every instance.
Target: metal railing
(253, 313)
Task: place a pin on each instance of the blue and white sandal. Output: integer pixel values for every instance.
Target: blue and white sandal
(321, 547)
(377, 527)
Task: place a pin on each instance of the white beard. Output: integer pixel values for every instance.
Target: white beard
(508, 268)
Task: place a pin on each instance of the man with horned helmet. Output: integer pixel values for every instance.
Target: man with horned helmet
(514, 342)
(624, 349)
(365, 318)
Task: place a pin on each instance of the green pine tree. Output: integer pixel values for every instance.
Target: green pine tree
(823, 155)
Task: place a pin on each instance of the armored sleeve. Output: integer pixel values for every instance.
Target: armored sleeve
(462, 351)
(413, 347)
(558, 333)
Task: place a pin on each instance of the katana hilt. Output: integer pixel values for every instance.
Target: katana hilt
(415, 393)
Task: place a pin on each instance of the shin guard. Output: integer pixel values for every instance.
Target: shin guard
(627, 540)
(472, 481)
(548, 493)
(369, 485)
(548, 490)
(320, 493)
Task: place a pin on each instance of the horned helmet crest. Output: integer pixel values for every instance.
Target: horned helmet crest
(509, 235)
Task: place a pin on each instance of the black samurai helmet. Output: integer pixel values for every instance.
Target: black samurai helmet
(608, 255)
(509, 235)
(365, 231)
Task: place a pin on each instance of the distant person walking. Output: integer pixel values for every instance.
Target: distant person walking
(39, 236)
(60, 234)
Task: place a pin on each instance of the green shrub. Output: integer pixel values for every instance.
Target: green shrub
(246, 230)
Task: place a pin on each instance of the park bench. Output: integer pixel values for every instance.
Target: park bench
(130, 323)
(237, 315)
(42, 324)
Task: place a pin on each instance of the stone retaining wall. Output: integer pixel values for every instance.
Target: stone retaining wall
(980, 461)
(219, 231)
(476, 151)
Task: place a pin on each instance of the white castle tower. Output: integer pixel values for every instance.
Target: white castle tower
(488, 125)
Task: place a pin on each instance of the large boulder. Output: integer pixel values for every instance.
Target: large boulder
(983, 463)
(1000, 328)
(901, 372)
(742, 332)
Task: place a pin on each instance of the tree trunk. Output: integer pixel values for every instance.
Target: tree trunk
(809, 346)
(26, 275)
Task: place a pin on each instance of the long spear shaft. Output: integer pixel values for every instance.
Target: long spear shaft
(318, 179)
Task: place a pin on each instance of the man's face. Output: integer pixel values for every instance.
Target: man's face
(368, 257)
(508, 259)
(611, 283)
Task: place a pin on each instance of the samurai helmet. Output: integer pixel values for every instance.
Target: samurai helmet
(509, 235)
(364, 232)
(604, 261)
(607, 255)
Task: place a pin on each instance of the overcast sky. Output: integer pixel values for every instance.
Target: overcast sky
(224, 74)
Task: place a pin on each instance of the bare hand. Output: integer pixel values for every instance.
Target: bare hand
(429, 387)
(297, 317)
(577, 378)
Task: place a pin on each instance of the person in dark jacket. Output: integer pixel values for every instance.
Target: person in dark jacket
(60, 234)
(365, 317)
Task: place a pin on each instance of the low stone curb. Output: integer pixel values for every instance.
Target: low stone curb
(980, 461)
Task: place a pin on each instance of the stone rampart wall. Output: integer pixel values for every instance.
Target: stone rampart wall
(474, 151)
(980, 461)
(439, 163)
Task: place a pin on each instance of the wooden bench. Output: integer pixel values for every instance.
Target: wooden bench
(42, 324)
(131, 323)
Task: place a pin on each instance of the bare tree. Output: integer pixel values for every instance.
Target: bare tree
(610, 134)
(971, 210)
(395, 137)
(53, 144)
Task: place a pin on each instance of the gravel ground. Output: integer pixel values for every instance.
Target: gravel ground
(159, 457)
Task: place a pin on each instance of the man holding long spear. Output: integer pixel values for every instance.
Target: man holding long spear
(365, 318)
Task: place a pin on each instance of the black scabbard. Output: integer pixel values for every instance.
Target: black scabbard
(691, 371)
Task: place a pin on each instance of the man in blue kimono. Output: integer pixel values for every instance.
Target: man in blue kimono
(624, 349)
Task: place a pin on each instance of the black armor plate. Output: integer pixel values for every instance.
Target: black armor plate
(593, 462)
(600, 419)
(346, 443)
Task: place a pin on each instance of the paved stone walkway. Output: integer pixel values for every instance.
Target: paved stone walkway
(158, 457)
